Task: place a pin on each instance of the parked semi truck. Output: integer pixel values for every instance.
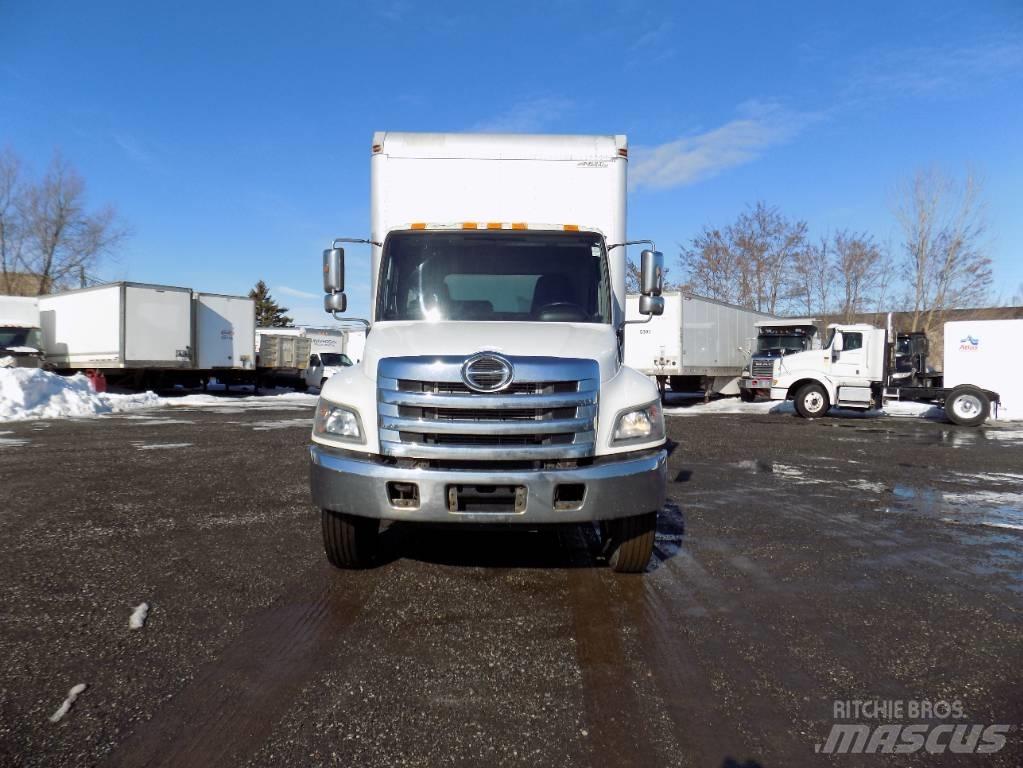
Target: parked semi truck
(492, 388)
(697, 344)
(148, 335)
(776, 338)
(21, 344)
(858, 367)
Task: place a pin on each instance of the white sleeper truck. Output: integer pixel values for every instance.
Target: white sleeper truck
(858, 368)
(492, 388)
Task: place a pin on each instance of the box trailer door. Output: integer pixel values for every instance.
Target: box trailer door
(225, 334)
(157, 327)
(655, 347)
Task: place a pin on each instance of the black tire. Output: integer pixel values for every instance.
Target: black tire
(967, 406)
(350, 541)
(747, 395)
(812, 401)
(630, 542)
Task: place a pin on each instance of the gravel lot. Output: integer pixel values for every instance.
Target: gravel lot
(798, 563)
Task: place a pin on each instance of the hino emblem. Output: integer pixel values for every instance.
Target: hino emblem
(487, 372)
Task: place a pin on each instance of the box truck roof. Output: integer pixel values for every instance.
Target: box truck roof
(499, 146)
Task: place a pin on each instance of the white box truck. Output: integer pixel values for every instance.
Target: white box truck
(858, 367)
(21, 344)
(697, 344)
(492, 388)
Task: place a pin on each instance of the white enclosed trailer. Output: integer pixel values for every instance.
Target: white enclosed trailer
(225, 332)
(698, 343)
(20, 336)
(118, 326)
(984, 353)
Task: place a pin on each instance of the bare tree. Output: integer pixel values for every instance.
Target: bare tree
(943, 229)
(812, 277)
(857, 264)
(749, 262)
(11, 235)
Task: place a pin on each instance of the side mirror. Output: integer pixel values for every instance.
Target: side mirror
(335, 302)
(651, 305)
(651, 273)
(334, 270)
(837, 344)
(334, 280)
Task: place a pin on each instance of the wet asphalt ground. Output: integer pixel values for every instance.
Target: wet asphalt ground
(797, 563)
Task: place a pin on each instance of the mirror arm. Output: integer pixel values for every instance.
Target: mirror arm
(337, 240)
(653, 247)
(639, 322)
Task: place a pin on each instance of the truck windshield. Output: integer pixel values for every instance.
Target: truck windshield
(20, 337)
(493, 276)
(334, 358)
(782, 344)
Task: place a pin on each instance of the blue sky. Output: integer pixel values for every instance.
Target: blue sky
(234, 137)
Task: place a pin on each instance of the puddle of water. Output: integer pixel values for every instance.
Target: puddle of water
(996, 509)
(12, 442)
(159, 446)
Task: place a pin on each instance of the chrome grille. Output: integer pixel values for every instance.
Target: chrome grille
(549, 411)
(762, 367)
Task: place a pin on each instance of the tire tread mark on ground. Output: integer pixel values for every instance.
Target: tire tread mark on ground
(230, 708)
(614, 718)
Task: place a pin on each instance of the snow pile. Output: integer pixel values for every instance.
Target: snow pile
(735, 405)
(266, 399)
(57, 716)
(32, 393)
(138, 616)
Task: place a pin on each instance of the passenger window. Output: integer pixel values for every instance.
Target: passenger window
(314, 361)
(851, 341)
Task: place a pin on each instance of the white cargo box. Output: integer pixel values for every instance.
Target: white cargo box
(19, 312)
(283, 350)
(985, 353)
(694, 337)
(225, 331)
(118, 325)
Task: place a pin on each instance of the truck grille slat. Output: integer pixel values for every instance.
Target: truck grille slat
(762, 368)
(549, 418)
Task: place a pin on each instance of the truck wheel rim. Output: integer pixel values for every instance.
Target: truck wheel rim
(966, 406)
(813, 402)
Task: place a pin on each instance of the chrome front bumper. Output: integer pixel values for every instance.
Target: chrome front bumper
(614, 489)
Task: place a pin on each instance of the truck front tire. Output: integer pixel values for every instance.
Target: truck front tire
(747, 395)
(350, 541)
(812, 401)
(967, 406)
(630, 542)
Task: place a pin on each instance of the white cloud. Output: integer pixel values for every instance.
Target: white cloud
(526, 116)
(294, 292)
(698, 156)
(937, 71)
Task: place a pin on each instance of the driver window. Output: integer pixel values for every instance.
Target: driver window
(852, 341)
(314, 361)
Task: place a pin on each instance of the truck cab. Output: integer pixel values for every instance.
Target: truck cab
(491, 389)
(21, 342)
(323, 365)
(776, 339)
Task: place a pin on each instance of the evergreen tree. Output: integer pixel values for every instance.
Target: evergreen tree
(269, 314)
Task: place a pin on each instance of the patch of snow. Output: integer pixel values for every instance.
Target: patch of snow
(732, 405)
(13, 442)
(23, 350)
(263, 426)
(159, 446)
(866, 485)
(7, 362)
(138, 616)
(288, 398)
(57, 716)
(32, 393)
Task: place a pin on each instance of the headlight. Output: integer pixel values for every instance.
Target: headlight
(642, 425)
(338, 422)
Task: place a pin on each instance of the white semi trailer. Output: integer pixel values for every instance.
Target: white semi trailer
(492, 387)
(147, 335)
(21, 344)
(697, 344)
(857, 368)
